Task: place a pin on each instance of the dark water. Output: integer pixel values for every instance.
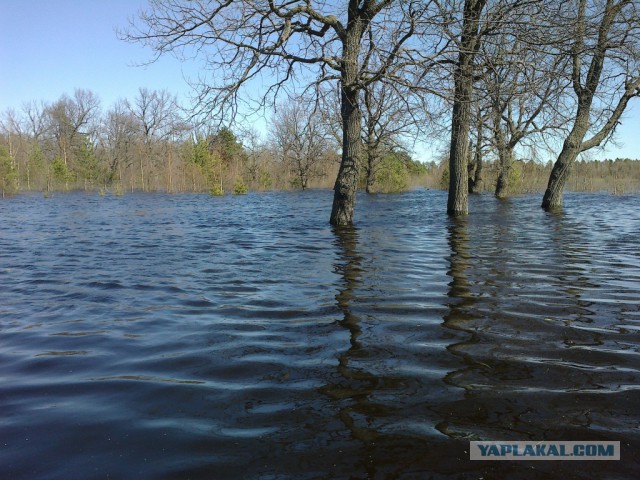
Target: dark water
(191, 337)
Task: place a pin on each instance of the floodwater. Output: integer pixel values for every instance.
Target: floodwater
(156, 336)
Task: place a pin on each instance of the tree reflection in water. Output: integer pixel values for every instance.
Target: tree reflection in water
(504, 369)
(461, 419)
(380, 405)
(354, 385)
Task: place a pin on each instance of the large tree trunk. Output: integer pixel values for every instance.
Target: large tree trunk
(506, 161)
(344, 191)
(552, 199)
(458, 201)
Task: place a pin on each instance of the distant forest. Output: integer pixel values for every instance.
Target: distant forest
(148, 144)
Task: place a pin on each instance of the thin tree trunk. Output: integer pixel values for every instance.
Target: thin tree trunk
(477, 179)
(371, 178)
(372, 142)
(471, 166)
(505, 156)
(141, 175)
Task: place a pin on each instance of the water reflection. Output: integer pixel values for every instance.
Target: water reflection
(575, 261)
(458, 417)
(350, 270)
(269, 346)
(354, 384)
(461, 301)
(535, 346)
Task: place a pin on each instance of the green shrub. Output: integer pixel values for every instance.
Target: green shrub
(240, 188)
(217, 191)
(60, 170)
(265, 181)
(444, 178)
(392, 174)
(8, 174)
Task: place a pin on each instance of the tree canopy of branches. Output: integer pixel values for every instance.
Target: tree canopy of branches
(469, 25)
(603, 45)
(523, 90)
(301, 140)
(288, 43)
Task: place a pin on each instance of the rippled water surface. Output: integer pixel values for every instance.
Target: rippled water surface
(190, 337)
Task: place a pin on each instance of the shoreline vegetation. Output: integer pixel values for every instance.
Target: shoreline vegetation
(616, 177)
(184, 173)
(71, 145)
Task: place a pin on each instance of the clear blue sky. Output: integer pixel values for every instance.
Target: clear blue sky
(51, 47)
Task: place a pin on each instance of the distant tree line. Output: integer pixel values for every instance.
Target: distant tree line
(616, 176)
(149, 144)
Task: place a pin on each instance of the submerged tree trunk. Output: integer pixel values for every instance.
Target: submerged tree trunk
(506, 158)
(344, 190)
(458, 201)
(552, 199)
(585, 93)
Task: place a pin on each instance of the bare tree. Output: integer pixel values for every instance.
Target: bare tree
(467, 28)
(604, 49)
(119, 136)
(301, 140)
(477, 149)
(305, 41)
(156, 115)
(15, 131)
(72, 120)
(389, 121)
(35, 114)
(254, 147)
(155, 111)
(524, 89)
